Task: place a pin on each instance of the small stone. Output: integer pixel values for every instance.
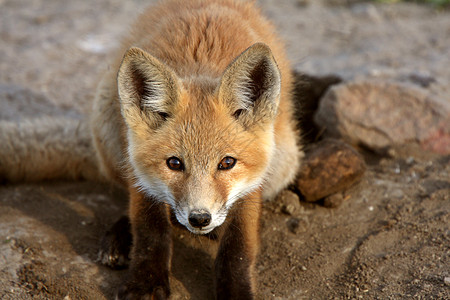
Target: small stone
(334, 200)
(410, 161)
(293, 224)
(329, 167)
(289, 202)
(447, 280)
(289, 209)
(296, 225)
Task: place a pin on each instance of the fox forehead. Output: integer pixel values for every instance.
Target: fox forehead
(201, 131)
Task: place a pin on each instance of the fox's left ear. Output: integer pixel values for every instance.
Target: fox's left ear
(147, 89)
(251, 85)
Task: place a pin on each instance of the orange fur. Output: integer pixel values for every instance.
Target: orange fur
(200, 81)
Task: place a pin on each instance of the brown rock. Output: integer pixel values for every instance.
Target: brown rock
(380, 115)
(329, 167)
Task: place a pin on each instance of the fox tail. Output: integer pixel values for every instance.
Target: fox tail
(47, 148)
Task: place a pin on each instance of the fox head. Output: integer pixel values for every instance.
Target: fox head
(200, 144)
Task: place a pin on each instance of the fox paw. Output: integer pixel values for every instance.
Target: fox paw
(115, 245)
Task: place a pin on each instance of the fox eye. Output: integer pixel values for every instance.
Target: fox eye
(174, 163)
(227, 163)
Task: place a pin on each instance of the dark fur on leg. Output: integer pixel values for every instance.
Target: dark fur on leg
(151, 251)
(238, 250)
(115, 245)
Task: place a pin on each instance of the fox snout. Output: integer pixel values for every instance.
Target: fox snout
(199, 218)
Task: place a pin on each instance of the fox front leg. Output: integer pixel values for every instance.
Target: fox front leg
(151, 251)
(234, 265)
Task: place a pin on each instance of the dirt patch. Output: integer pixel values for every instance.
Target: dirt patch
(388, 239)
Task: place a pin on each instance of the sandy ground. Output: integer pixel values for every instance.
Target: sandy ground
(390, 238)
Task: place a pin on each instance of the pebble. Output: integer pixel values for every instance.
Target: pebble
(334, 200)
(447, 280)
(289, 202)
(296, 225)
(293, 224)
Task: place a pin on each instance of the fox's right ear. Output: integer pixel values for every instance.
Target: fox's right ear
(147, 89)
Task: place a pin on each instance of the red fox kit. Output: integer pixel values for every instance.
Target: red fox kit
(195, 119)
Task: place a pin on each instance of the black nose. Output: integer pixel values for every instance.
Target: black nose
(199, 218)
